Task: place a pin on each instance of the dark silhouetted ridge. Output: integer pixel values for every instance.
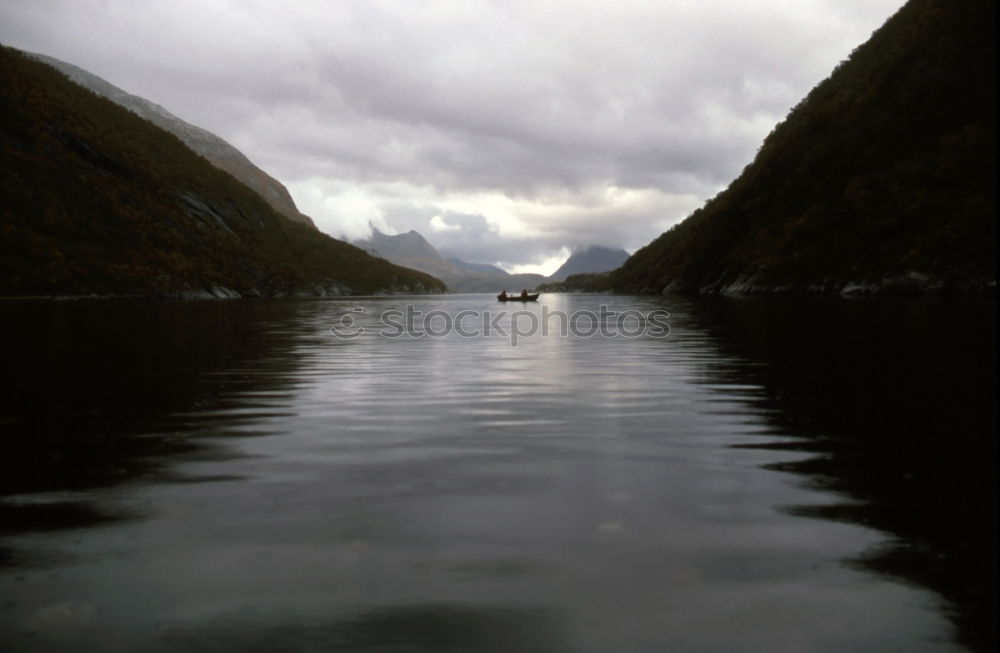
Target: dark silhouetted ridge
(881, 179)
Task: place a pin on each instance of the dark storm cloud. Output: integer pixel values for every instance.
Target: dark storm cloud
(535, 125)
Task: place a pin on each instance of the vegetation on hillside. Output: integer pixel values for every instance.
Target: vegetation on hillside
(886, 170)
(97, 200)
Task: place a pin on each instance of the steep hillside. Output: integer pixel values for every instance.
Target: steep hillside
(212, 147)
(882, 178)
(97, 200)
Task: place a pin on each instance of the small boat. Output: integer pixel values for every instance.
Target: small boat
(518, 298)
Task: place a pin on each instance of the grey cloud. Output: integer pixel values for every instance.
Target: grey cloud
(521, 99)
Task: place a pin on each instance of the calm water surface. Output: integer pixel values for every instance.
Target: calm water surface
(774, 475)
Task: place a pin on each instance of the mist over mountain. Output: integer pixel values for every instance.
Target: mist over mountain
(882, 179)
(590, 259)
(411, 250)
(493, 283)
(219, 152)
(478, 268)
(95, 199)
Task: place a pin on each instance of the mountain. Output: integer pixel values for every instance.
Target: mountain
(590, 259)
(478, 268)
(95, 199)
(413, 251)
(882, 179)
(215, 149)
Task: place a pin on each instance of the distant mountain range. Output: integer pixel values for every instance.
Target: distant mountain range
(97, 200)
(883, 179)
(212, 147)
(413, 251)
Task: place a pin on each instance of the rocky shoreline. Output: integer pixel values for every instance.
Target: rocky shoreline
(911, 283)
(908, 284)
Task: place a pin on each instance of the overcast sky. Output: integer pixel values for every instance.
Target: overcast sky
(505, 132)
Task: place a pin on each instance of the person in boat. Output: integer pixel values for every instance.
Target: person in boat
(503, 294)
(524, 293)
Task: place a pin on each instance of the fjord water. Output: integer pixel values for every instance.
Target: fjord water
(780, 475)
